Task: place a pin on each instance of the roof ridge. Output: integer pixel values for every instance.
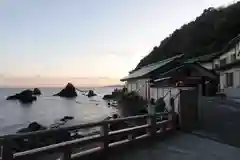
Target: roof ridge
(152, 64)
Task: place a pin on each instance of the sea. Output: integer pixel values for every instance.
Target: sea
(49, 109)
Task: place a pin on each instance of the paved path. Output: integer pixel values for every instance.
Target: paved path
(181, 147)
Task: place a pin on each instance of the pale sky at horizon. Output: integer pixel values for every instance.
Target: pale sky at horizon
(85, 38)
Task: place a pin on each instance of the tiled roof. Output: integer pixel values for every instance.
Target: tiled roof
(204, 58)
(149, 68)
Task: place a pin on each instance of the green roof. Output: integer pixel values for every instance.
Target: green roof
(204, 58)
(149, 68)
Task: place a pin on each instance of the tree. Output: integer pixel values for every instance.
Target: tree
(208, 33)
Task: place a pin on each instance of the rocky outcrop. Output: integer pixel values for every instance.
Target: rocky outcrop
(34, 126)
(69, 91)
(23, 144)
(36, 91)
(108, 97)
(25, 96)
(66, 118)
(116, 94)
(91, 93)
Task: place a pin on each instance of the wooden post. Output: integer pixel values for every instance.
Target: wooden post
(199, 104)
(164, 128)
(7, 153)
(152, 125)
(67, 153)
(130, 137)
(152, 115)
(104, 133)
(171, 114)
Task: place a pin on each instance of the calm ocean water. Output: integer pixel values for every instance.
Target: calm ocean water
(48, 109)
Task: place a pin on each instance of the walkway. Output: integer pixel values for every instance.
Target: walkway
(181, 146)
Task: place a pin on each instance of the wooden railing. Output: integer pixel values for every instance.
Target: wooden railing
(103, 141)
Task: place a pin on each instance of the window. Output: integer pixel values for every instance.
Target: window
(233, 58)
(229, 79)
(223, 62)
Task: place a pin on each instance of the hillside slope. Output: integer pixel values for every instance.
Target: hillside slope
(209, 33)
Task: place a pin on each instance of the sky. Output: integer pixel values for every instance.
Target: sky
(90, 42)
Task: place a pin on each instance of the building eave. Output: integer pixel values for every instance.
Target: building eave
(147, 71)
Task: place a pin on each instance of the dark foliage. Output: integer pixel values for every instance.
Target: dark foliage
(116, 94)
(135, 103)
(160, 105)
(207, 34)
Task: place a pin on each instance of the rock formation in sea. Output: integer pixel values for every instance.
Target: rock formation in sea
(53, 137)
(69, 91)
(34, 126)
(66, 118)
(25, 96)
(91, 93)
(36, 91)
(23, 144)
(108, 97)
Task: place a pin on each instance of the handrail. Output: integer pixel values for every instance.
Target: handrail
(72, 128)
(58, 146)
(104, 136)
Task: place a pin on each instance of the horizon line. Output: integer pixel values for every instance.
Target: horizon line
(83, 77)
(57, 86)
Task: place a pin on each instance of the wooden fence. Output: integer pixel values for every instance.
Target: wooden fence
(154, 125)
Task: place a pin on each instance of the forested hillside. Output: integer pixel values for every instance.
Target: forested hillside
(208, 33)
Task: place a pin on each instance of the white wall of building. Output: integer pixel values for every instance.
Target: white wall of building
(227, 55)
(233, 91)
(222, 81)
(138, 85)
(236, 71)
(207, 65)
(216, 63)
(235, 50)
(238, 50)
(157, 93)
(141, 86)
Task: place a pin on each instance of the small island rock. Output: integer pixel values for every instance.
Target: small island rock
(69, 91)
(25, 96)
(36, 91)
(91, 93)
(66, 118)
(108, 97)
(24, 144)
(34, 126)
